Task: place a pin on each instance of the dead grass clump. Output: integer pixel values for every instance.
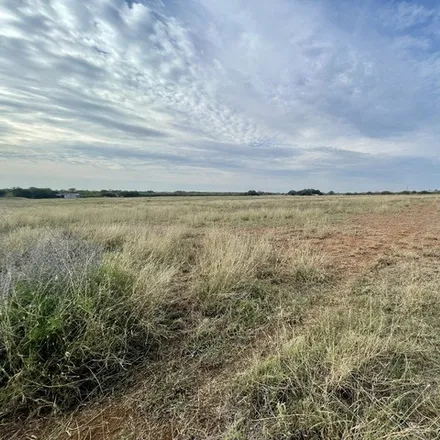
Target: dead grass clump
(164, 246)
(45, 256)
(303, 265)
(227, 262)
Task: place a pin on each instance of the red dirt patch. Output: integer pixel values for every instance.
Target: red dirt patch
(360, 242)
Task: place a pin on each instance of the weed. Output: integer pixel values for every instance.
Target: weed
(69, 328)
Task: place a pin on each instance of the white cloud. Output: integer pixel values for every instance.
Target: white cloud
(403, 15)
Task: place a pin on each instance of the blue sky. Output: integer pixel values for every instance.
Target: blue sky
(220, 95)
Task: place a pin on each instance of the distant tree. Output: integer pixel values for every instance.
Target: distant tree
(33, 193)
(252, 192)
(305, 192)
(331, 193)
(130, 194)
(105, 193)
(3, 192)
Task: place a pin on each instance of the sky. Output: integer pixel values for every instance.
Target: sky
(223, 95)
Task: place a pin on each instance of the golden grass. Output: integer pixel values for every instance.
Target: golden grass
(227, 261)
(195, 211)
(362, 369)
(259, 333)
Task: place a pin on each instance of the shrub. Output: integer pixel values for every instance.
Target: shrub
(69, 327)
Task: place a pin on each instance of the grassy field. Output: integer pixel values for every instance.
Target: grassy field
(220, 318)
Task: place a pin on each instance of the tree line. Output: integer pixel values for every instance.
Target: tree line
(48, 193)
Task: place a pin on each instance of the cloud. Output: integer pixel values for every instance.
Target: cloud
(201, 88)
(403, 15)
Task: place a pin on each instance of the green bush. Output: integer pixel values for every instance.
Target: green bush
(63, 340)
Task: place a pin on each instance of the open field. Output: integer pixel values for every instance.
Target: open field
(220, 318)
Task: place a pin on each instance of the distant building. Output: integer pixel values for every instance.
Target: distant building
(69, 196)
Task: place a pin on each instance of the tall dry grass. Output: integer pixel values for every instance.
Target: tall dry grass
(364, 369)
(228, 261)
(224, 312)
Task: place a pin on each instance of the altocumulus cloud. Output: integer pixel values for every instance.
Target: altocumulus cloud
(220, 95)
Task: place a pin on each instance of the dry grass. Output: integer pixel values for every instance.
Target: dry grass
(195, 211)
(365, 369)
(222, 318)
(227, 262)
